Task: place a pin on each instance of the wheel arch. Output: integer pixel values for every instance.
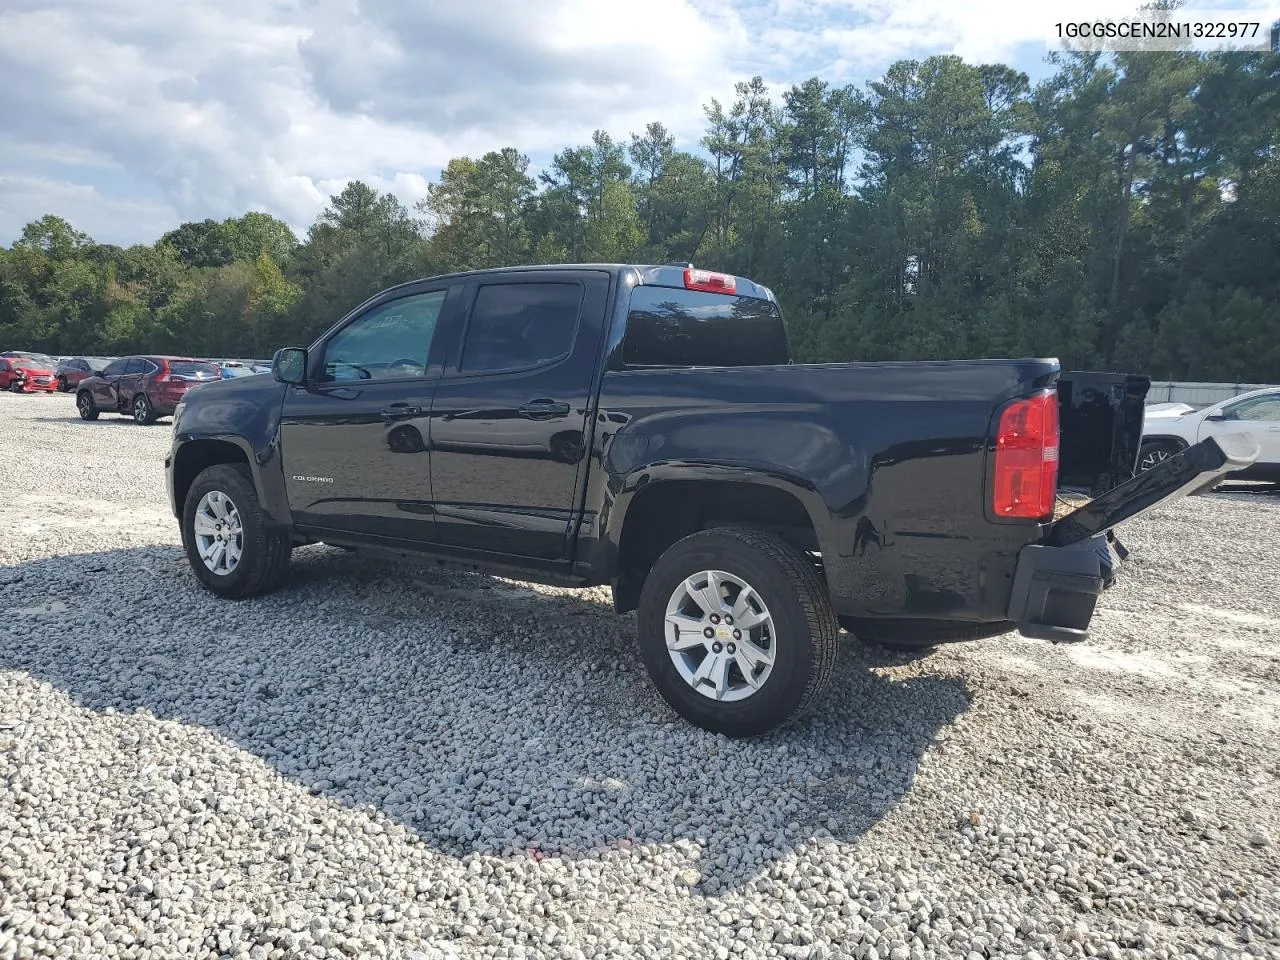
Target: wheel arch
(1172, 441)
(662, 506)
(197, 455)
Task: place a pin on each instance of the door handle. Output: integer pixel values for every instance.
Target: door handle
(544, 410)
(400, 411)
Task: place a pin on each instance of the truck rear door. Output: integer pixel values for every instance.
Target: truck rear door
(510, 425)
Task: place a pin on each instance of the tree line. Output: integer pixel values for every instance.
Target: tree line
(1122, 214)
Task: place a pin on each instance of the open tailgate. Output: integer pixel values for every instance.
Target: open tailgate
(1194, 469)
(1058, 581)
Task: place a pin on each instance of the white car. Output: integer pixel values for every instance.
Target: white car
(1168, 431)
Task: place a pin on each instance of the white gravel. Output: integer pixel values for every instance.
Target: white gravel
(378, 761)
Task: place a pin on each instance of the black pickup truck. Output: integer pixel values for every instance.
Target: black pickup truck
(645, 427)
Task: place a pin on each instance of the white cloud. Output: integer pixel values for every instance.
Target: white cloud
(25, 198)
(213, 107)
(227, 105)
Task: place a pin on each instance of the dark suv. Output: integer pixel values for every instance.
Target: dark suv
(73, 370)
(144, 388)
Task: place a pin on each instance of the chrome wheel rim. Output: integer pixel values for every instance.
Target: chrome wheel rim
(219, 533)
(84, 403)
(140, 409)
(1152, 458)
(720, 636)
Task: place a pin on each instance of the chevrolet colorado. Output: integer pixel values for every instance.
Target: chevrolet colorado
(645, 427)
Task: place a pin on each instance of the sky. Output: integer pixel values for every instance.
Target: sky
(127, 117)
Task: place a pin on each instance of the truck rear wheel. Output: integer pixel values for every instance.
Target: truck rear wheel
(231, 550)
(737, 631)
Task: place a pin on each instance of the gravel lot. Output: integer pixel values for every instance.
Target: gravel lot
(379, 761)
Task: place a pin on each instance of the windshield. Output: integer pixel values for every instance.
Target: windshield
(28, 365)
(194, 369)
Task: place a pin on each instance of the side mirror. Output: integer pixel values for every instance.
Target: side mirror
(289, 365)
(1215, 418)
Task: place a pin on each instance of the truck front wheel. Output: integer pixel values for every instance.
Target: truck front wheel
(231, 550)
(737, 631)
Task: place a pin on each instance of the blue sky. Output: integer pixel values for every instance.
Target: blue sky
(129, 116)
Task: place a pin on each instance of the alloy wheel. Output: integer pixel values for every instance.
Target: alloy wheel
(219, 533)
(720, 635)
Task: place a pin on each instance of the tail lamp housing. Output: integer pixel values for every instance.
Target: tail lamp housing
(1025, 478)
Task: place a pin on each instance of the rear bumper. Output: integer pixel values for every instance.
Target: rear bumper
(1055, 589)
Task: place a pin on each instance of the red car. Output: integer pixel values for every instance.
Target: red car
(145, 388)
(26, 376)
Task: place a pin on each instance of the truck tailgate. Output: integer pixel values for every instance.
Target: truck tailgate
(1192, 470)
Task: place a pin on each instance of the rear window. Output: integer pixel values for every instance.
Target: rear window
(194, 369)
(670, 327)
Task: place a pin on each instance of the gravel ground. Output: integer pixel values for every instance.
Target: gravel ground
(379, 761)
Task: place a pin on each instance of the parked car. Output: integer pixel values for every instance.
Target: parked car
(144, 388)
(71, 371)
(745, 506)
(1166, 432)
(21, 375)
(1169, 409)
(41, 358)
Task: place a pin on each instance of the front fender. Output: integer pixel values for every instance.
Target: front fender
(192, 452)
(243, 415)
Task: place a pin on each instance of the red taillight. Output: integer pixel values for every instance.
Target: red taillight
(709, 282)
(1026, 474)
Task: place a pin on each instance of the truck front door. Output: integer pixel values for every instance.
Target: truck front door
(353, 440)
(509, 426)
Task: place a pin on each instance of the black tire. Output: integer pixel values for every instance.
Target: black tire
(785, 580)
(63, 387)
(264, 560)
(143, 413)
(15, 386)
(84, 403)
(1152, 454)
(921, 636)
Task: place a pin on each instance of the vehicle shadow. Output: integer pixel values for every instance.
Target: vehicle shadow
(107, 417)
(483, 715)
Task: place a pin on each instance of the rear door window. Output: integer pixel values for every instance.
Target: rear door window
(670, 327)
(115, 368)
(135, 365)
(515, 326)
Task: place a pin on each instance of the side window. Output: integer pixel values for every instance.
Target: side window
(114, 369)
(4, 366)
(1255, 408)
(135, 365)
(516, 325)
(390, 342)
